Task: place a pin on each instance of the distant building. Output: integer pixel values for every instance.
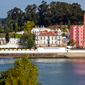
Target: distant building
(76, 34)
(47, 38)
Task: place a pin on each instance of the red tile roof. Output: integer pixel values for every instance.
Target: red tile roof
(73, 26)
(45, 32)
(80, 25)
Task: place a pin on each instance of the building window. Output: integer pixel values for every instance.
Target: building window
(78, 34)
(75, 37)
(81, 31)
(81, 34)
(75, 31)
(44, 38)
(81, 37)
(78, 28)
(48, 37)
(78, 31)
(75, 28)
(41, 37)
(81, 28)
(81, 41)
(75, 34)
(78, 37)
(55, 37)
(52, 38)
(78, 41)
(44, 42)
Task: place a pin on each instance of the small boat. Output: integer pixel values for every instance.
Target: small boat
(4, 58)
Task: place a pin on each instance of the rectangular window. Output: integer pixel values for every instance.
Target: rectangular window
(78, 34)
(55, 37)
(78, 41)
(44, 38)
(75, 37)
(52, 38)
(78, 37)
(81, 34)
(41, 37)
(78, 31)
(81, 37)
(75, 34)
(81, 41)
(81, 31)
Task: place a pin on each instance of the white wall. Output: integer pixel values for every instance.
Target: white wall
(51, 49)
(39, 50)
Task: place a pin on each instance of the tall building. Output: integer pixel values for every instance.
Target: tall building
(84, 33)
(76, 34)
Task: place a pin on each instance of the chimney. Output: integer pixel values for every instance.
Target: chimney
(43, 26)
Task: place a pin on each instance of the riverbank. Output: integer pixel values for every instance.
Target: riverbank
(43, 55)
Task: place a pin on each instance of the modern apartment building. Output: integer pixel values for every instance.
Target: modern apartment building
(76, 34)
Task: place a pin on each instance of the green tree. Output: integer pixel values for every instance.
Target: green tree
(25, 37)
(3, 76)
(68, 24)
(28, 26)
(71, 43)
(23, 73)
(30, 43)
(14, 14)
(16, 27)
(11, 27)
(7, 37)
(7, 34)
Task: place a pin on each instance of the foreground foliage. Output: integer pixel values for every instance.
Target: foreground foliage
(23, 73)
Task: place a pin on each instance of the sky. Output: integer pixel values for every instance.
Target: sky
(6, 5)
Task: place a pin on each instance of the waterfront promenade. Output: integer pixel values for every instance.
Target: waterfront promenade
(45, 52)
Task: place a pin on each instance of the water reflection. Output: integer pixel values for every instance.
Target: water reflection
(79, 66)
(56, 71)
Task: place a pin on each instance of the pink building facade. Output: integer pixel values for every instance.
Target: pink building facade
(76, 34)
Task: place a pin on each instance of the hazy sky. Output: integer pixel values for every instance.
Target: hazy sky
(6, 5)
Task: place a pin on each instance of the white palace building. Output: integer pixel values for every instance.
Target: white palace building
(47, 38)
(44, 38)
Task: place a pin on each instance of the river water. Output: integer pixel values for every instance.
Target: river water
(55, 71)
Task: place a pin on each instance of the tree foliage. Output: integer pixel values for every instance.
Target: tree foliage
(3, 76)
(24, 38)
(46, 14)
(7, 34)
(23, 73)
(28, 26)
(71, 43)
(30, 43)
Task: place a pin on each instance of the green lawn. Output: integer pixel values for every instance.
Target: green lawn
(11, 35)
(17, 35)
(77, 49)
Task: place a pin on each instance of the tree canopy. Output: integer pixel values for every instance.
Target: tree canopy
(23, 73)
(28, 26)
(30, 43)
(46, 14)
